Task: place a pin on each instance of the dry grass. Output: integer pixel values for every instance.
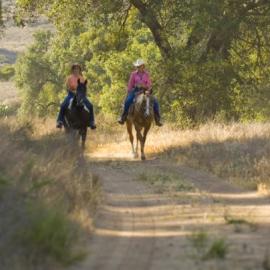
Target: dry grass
(237, 152)
(47, 197)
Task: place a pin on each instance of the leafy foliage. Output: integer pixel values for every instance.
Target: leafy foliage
(50, 232)
(217, 250)
(207, 59)
(6, 72)
(37, 75)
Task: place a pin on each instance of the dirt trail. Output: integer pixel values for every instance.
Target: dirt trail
(137, 228)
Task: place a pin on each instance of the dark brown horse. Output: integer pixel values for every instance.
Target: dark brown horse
(141, 115)
(77, 116)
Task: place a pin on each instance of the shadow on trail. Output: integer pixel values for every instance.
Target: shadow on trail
(137, 228)
(9, 57)
(220, 191)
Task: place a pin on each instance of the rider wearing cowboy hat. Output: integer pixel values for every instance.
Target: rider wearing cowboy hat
(139, 80)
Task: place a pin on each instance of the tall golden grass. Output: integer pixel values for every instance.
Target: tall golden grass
(237, 152)
(43, 178)
(47, 197)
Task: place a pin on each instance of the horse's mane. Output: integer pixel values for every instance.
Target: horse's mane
(140, 102)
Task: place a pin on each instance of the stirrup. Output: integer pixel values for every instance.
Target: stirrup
(59, 124)
(121, 121)
(93, 126)
(158, 122)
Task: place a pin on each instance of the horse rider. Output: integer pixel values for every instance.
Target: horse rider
(139, 80)
(72, 84)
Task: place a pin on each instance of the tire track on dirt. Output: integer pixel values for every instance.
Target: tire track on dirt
(137, 228)
(117, 241)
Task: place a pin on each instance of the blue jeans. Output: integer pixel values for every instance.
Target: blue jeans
(130, 98)
(65, 104)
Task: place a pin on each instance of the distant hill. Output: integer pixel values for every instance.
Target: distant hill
(15, 39)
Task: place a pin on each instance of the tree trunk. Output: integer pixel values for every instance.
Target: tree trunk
(150, 19)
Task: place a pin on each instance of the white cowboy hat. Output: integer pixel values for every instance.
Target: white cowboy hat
(139, 62)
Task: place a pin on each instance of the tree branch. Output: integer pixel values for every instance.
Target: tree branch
(150, 19)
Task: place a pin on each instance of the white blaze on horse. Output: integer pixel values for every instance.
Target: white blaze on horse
(141, 115)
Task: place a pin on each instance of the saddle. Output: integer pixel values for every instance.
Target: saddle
(71, 104)
(132, 106)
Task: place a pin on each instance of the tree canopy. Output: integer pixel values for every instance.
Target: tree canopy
(207, 58)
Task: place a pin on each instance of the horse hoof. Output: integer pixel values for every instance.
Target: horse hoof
(143, 158)
(135, 155)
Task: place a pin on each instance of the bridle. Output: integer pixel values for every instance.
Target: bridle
(143, 91)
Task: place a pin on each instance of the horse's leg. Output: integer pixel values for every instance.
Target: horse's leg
(83, 134)
(145, 132)
(140, 138)
(72, 137)
(137, 143)
(131, 138)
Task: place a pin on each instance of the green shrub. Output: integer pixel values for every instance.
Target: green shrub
(6, 72)
(217, 250)
(207, 249)
(3, 110)
(8, 110)
(199, 239)
(50, 233)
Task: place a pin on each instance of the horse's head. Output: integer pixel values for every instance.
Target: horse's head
(81, 92)
(144, 106)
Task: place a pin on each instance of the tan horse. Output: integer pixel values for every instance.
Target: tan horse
(141, 115)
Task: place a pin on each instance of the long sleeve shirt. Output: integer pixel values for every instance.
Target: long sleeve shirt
(138, 78)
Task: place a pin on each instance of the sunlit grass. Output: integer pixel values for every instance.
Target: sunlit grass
(237, 152)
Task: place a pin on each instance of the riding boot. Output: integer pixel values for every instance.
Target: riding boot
(93, 125)
(92, 117)
(123, 118)
(158, 120)
(59, 124)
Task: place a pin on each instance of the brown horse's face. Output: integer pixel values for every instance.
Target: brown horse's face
(144, 107)
(81, 92)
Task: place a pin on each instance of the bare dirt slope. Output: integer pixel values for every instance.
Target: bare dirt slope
(140, 228)
(14, 41)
